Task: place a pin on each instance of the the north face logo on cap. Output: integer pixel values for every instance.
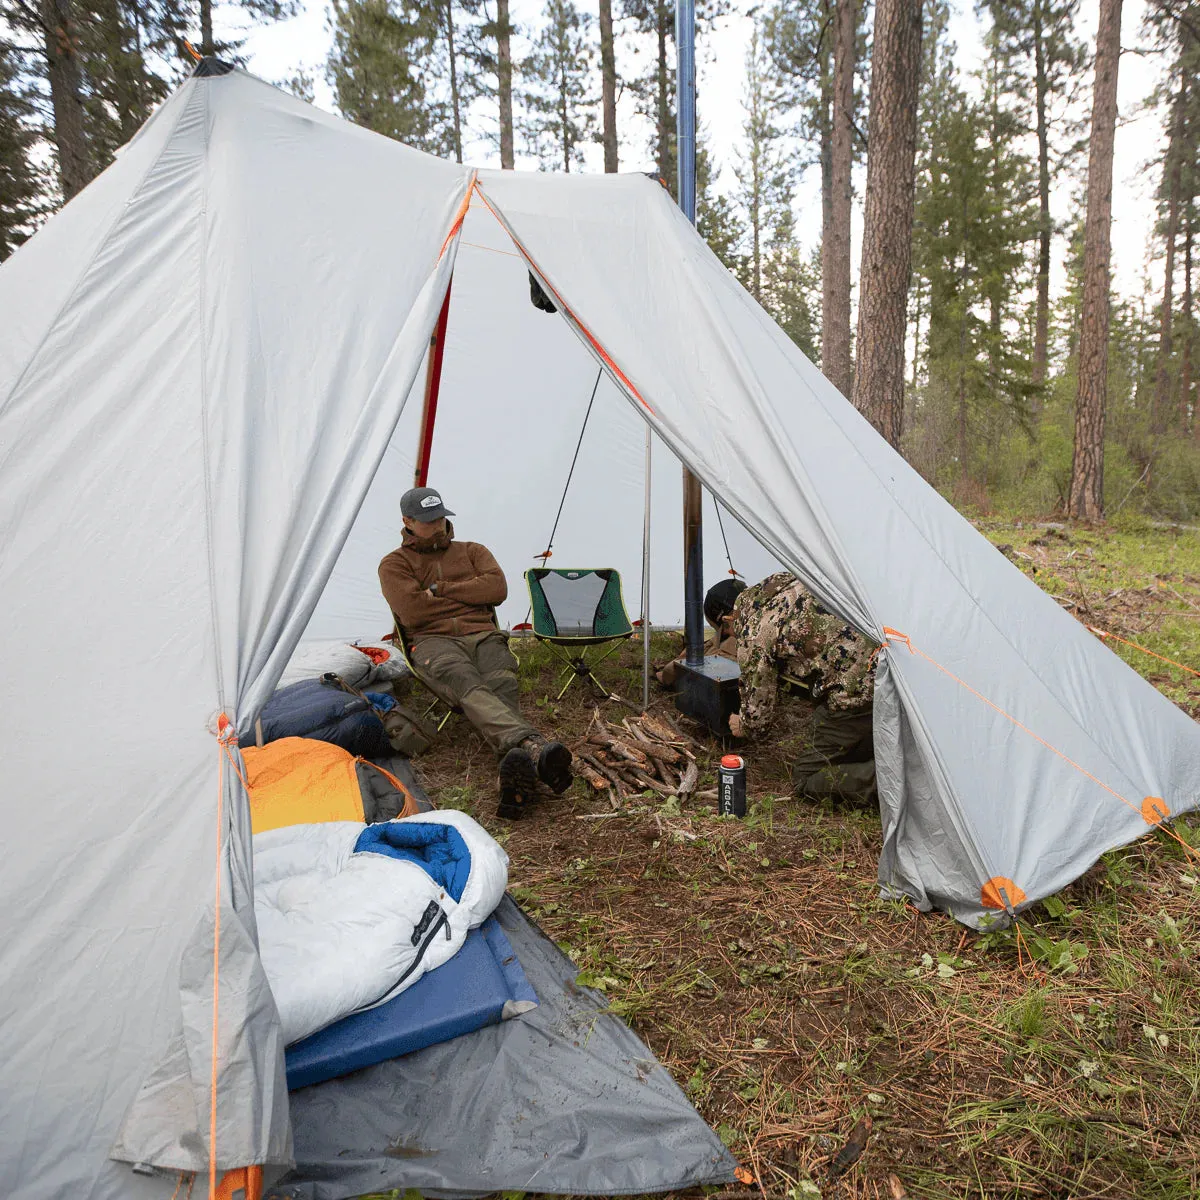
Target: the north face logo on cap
(431, 501)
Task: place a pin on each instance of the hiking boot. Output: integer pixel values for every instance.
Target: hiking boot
(553, 762)
(518, 783)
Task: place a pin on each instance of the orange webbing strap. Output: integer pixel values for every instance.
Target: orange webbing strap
(411, 807)
(1153, 809)
(1104, 635)
(459, 217)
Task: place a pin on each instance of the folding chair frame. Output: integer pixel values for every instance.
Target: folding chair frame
(577, 665)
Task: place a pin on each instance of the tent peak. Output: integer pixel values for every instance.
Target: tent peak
(208, 68)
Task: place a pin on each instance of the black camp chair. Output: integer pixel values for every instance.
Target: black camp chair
(574, 611)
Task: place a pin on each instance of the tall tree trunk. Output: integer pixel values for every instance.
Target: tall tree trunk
(504, 75)
(663, 108)
(1041, 327)
(1173, 172)
(1186, 411)
(207, 46)
(1086, 498)
(826, 100)
(608, 87)
(835, 259)
(888, 216)
(66, 96)
(455, 98)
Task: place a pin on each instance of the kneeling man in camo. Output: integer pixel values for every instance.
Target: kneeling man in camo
(443, 595)
(784, 634)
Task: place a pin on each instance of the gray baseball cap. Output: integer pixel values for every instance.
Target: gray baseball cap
(423, 504)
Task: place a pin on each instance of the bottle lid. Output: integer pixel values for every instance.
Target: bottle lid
(733, 761)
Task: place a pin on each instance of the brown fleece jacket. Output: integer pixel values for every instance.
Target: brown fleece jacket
(467, 581)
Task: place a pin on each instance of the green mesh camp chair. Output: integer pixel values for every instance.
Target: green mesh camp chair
(574, 611)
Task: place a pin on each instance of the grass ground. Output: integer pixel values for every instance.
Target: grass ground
(757, 960)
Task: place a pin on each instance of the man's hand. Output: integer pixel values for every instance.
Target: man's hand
(735, 724)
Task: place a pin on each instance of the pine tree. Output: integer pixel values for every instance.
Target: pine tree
(974, 218)
(559, 97)
(887, 235)
(380, 69)
(791, 286)
(489, 50)
(22, 188)
(1086, 498)
(836, 360)
(608, 88)
(764, 174)
(1042, 59)
(717, 217)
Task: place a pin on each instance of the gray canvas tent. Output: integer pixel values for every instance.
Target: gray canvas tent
(204, 366)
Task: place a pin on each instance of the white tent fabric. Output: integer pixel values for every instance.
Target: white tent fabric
(203, 363)
(515, 391)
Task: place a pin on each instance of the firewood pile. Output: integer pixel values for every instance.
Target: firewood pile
(642, 753)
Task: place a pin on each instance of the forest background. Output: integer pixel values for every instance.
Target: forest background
(981, 358)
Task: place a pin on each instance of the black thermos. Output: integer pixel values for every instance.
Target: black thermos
(731, 786)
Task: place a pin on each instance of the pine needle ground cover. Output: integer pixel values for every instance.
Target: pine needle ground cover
(790, 1002)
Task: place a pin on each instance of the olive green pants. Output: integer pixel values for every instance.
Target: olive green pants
(477, 674)
(839, 762)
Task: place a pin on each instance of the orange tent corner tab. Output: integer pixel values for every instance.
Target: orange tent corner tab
(242, 1183)
(1001, 893)
(1155, 810)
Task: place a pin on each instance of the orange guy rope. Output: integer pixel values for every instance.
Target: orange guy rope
(593, 341)
(224, 734)
(1104, 636)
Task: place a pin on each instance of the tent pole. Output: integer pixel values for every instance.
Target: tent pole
(693, 496)
(646, 580)
(433, 385)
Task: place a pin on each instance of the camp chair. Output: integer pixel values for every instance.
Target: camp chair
(400, 639)
(578, 610)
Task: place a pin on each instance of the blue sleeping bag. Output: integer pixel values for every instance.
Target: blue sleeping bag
(313, 709)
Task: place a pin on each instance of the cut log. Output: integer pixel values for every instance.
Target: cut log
(689, 779)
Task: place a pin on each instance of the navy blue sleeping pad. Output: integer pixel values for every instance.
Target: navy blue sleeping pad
(313, 709)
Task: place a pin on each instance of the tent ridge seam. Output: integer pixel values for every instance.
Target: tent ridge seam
(101, 245)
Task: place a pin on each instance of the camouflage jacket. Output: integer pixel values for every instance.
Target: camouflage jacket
(782, 629)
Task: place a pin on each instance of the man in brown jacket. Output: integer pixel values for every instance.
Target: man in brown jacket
(443, 595)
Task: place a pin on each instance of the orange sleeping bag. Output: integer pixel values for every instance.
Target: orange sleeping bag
(302, 781)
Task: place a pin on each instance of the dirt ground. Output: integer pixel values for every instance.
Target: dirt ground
(758, 961)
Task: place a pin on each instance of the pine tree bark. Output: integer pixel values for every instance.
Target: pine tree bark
(1086, 497)
(504, 80)
(1186, 411)
(207, 46)
(886, 268)
(608, 88)
(835, 257)
(1041, 323)
(66, 96)
(826, 134)
(455, 98)
(1173, 172)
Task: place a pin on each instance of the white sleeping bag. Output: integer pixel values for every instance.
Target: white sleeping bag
(339, 931)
